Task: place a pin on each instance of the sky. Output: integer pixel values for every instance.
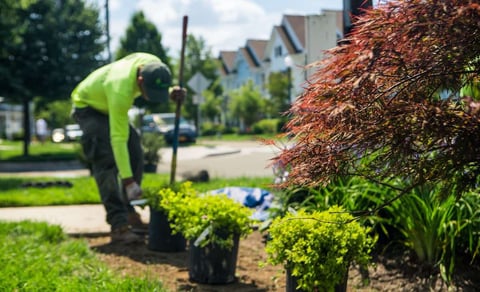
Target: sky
(223, 24)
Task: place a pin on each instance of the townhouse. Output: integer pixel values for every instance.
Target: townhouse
(299, 40)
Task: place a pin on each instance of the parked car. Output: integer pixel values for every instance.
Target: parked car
(58, 135)
(164, 124)
(70, 133)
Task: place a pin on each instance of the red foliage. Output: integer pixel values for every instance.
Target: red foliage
(376, 99)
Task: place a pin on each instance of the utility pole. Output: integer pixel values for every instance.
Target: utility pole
(107, 21)
(351, 9)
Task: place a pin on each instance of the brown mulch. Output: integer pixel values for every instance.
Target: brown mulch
(391, 272)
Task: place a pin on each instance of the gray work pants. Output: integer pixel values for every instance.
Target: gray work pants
(98, 151)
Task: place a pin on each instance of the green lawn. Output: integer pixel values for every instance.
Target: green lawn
(12, 151)
(36, 256)
(16, 192)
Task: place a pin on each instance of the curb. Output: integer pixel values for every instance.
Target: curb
(235, 151)
(41, 166)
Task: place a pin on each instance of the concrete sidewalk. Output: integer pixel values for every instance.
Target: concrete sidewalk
(76, 219)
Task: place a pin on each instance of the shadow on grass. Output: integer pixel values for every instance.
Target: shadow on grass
(11, 183)
(44, 157)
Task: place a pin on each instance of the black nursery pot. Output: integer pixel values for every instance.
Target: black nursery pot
(160, 237)
(150, 168)
(291, 285)
(212, 264)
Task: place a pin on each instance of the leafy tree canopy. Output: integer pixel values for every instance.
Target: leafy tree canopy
(247, 104)
(198, 58)
(278, 88)
(212, 107)
(47, 47)
(57, 113)
(387, 103)
(142, 36)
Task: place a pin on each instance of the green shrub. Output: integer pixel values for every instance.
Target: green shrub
(212, 129)
(354, 194)
(18, 136)
(468, 211)
(318, 247)
(192, 214)
(266, 126)
(151, 143)
(435, 228)
(230, 130)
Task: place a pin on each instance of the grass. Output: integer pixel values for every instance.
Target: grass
(14, 194)
(36, 256)
(84, 190)
(12, 151)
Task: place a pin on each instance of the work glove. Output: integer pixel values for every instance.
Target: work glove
(133, 190)
(178, 94)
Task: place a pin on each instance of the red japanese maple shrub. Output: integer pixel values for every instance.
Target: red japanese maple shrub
(387, 102)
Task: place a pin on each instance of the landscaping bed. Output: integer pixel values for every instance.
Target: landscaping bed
(392, 272)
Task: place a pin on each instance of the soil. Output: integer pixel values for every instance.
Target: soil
(391, 272)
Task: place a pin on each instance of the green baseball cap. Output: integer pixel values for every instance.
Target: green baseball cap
(157, 79)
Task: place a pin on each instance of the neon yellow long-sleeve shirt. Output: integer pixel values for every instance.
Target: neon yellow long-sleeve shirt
(111, 89)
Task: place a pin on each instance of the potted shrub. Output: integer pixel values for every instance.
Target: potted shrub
(161, 237)
(151, 144)
(317, 248)
(213, 225)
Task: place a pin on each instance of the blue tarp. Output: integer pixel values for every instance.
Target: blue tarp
(256, 198)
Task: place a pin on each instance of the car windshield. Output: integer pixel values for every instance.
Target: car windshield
(162, 120)
(169, 120)
(72, 127)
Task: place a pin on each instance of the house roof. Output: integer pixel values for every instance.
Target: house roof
(248, 57)
(227, 58)
(257, 49)
(285, 38)
(297, 22)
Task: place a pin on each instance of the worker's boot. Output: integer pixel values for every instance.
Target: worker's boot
(135, 221)
(125, 235)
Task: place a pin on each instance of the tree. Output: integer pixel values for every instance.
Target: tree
(386, 104)
(143, 36)
(211, 108)
(198, 58)
(247, 105)
(56, 113)
(278, 89)
(54, 45)
(47, 47)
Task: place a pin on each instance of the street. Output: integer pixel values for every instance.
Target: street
(222, 159)
(226, 159)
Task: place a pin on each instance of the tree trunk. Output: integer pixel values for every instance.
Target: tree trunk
(26, 126)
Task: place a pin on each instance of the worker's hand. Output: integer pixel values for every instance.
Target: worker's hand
(133, 190)
(178, 94)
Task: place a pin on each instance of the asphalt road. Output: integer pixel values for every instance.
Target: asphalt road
(222, 159)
